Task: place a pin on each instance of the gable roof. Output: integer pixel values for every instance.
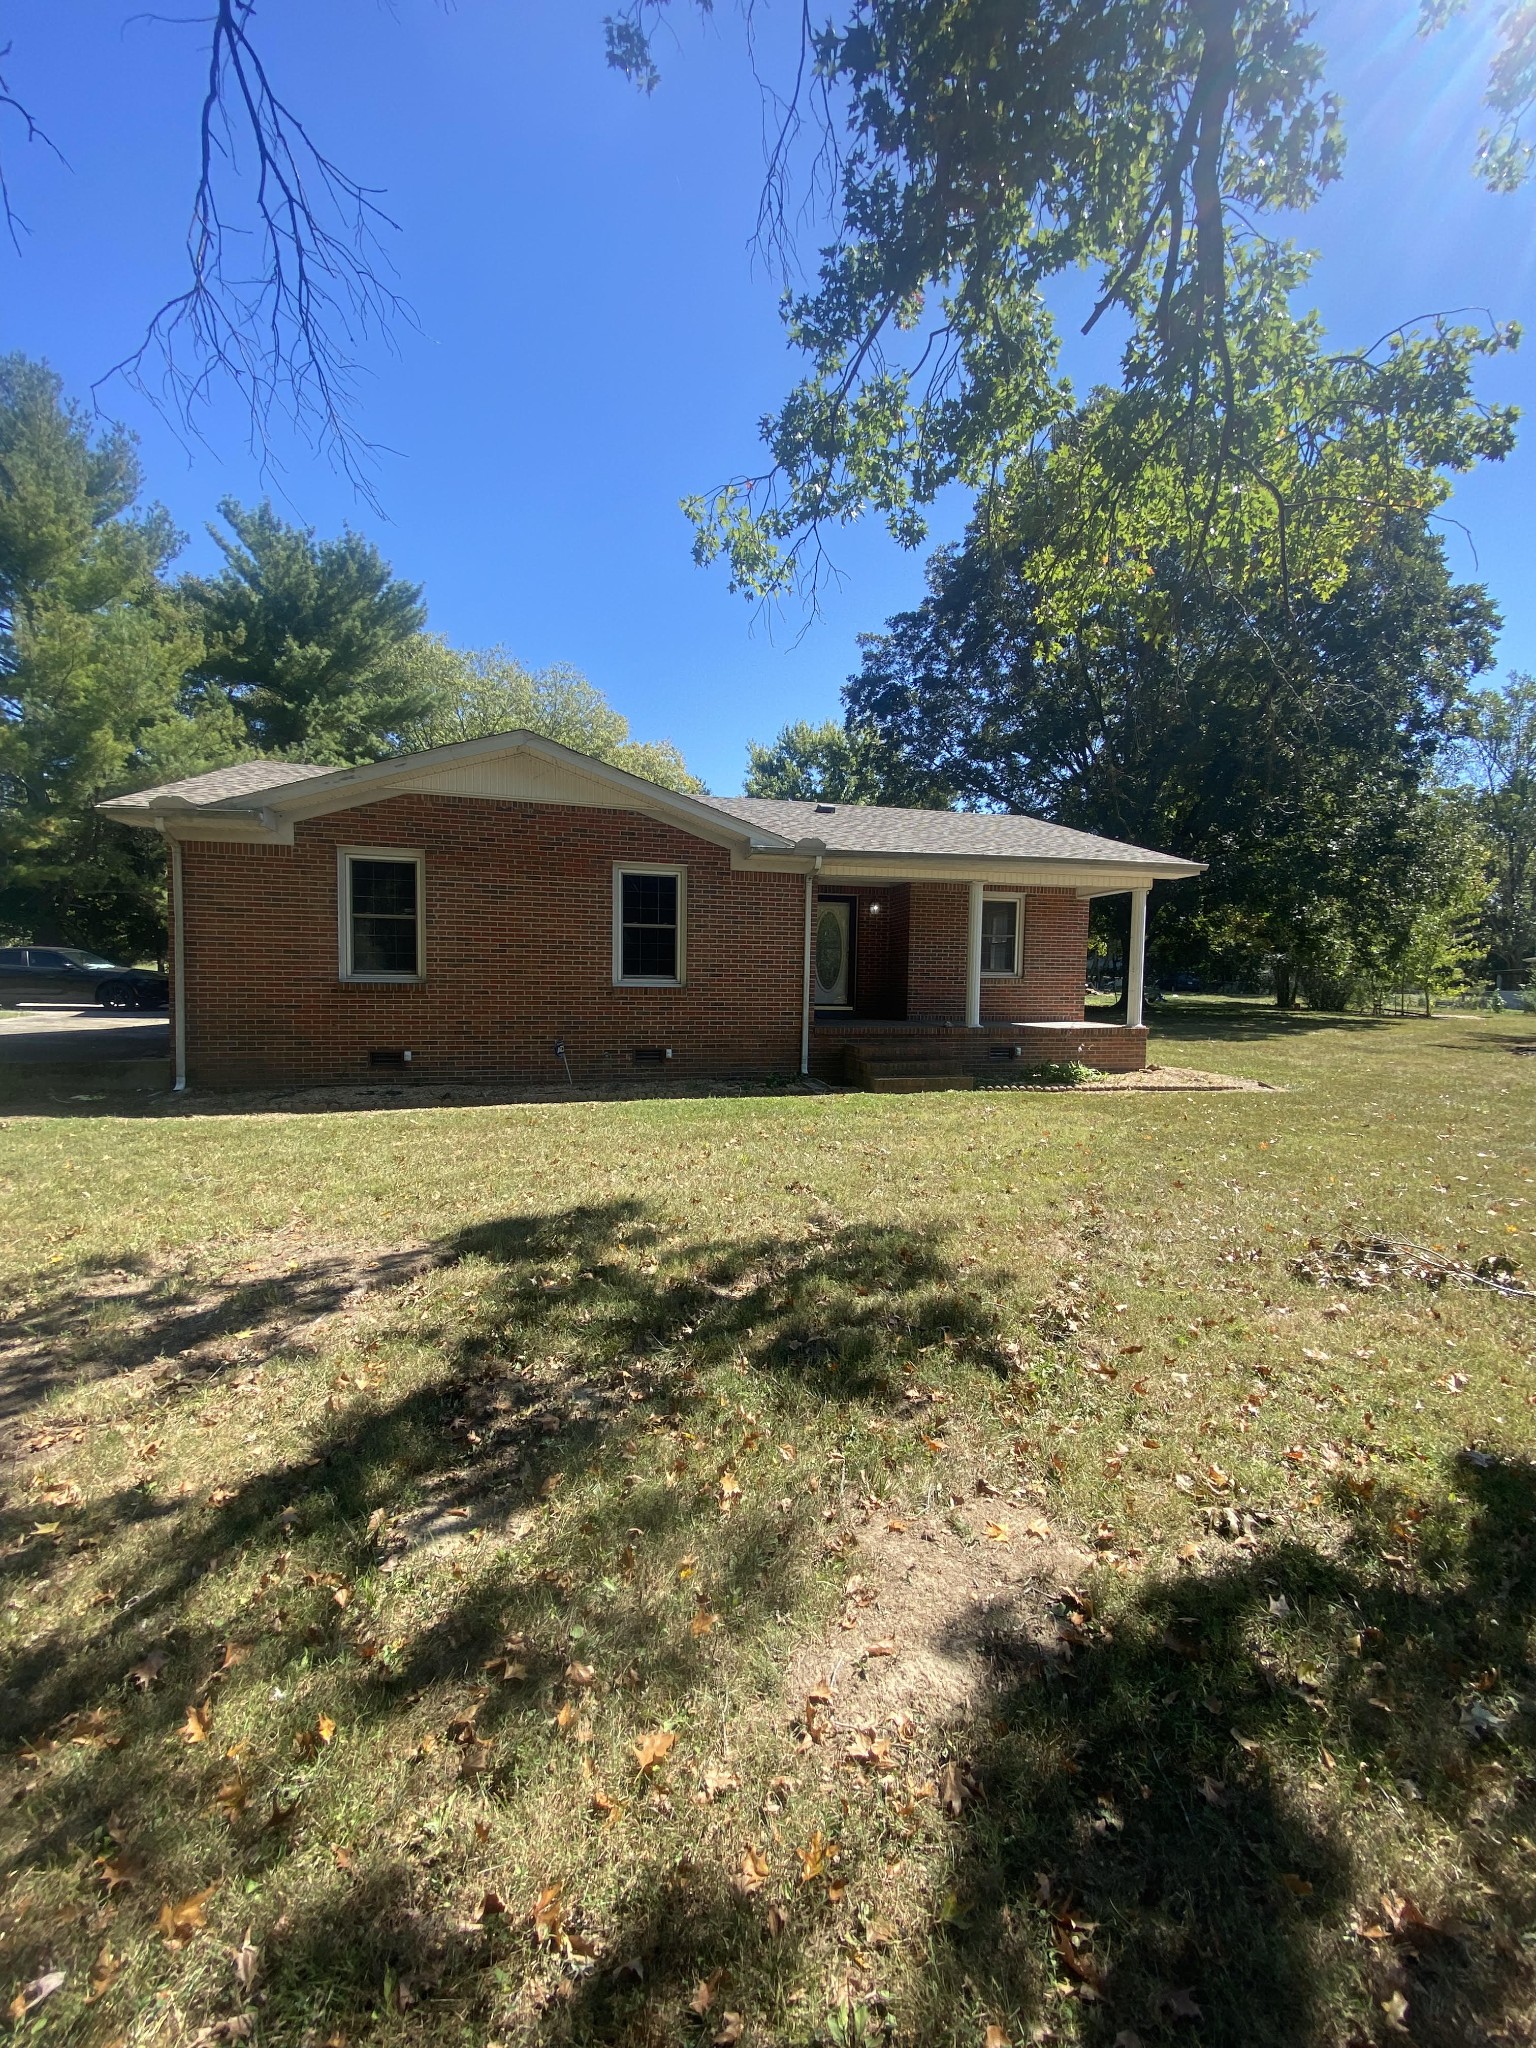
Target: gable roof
(264, 799)
(968, 835)
(245, 778)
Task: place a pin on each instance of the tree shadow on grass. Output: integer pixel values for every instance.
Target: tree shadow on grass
(1242, 1026)
(1181, 1807)
(561, 1347)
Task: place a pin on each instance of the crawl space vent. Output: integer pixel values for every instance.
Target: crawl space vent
(388, 1056)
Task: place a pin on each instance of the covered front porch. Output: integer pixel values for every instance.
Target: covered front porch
(917, 984)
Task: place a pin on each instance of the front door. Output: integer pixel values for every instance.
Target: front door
(834, 954)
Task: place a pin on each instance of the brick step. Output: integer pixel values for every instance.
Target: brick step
(896, 1081)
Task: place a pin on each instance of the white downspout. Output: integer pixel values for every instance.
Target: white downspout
(805, 992)
(1136, 958)
(178, 974)
(973, 960)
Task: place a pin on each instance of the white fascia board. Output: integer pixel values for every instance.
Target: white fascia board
(1087, 878)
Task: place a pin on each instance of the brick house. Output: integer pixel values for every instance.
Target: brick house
(506, 909)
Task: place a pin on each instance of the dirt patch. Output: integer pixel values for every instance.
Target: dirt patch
(152, 1327)
(934, 1619)
(1151, 1079)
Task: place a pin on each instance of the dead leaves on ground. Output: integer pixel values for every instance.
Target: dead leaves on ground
(552, 1928)
(179, 1924)
(653, 1749)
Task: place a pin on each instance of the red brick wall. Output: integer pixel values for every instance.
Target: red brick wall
(1048, 990)
(519, 952)
(1050, 987)
(938, 925)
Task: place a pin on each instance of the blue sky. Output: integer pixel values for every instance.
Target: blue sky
(596, 338)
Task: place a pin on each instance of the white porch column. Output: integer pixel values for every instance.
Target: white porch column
(973, 960)
(1136, 957)
(178, 974)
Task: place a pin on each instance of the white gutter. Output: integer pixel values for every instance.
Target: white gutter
(178, 973)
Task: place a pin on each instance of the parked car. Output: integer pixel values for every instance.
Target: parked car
(67, 974)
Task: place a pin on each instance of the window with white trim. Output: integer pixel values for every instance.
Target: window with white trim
(1002, 919)
(649, 925)
(381, 900)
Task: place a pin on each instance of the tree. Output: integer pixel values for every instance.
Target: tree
(831, 763)
(1499, 754)
(306, 638)
(984, 150)
(470, 695)
(1290, 744)
(987, 148)
(94, 650)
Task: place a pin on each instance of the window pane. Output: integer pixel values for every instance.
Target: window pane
(384, 917)
(383, 945)
(52, 961)
(650, 899)
(384, 888)
(999, 930)
(650, 951)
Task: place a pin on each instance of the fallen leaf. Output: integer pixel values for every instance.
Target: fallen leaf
(1396, 2009)
(655, 1748)
(104, 1972)
(581, 1675)
(31, 1996)
(994, 2037)
(886, 1647)
(997, 1532)
(147, 1670)
(956, 1786)
(701, 1623)
(1298, 1887)
(232, 1797)
(547, 1917)
(247, 1964)
(491, 1907)
(729, 2030)
(180, 1923)
(198, 1722)
(776, 1920)
(1038, 1528)
(704, 1994)
(813, 1857)
(753, 1874)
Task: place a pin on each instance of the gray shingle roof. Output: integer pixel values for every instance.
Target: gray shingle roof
(878, 828)
(246, 778)
(850, 830)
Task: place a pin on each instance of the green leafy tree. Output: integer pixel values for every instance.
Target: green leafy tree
(94, 655)
(1290, 742)
(468, 695)
(1499, 756)
(832, 763)
(306, 639)
(985, 151)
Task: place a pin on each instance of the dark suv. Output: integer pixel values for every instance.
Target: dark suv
(66, 974)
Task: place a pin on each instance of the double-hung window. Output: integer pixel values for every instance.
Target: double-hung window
(649, 925)
(1000, 934)
(380, 891)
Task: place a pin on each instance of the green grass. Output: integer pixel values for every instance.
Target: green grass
(380, 1481)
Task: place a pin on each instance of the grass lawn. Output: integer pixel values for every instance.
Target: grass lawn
(806, 1569)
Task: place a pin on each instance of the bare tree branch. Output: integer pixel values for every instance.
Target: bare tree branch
(280, 296)
(34, 132)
